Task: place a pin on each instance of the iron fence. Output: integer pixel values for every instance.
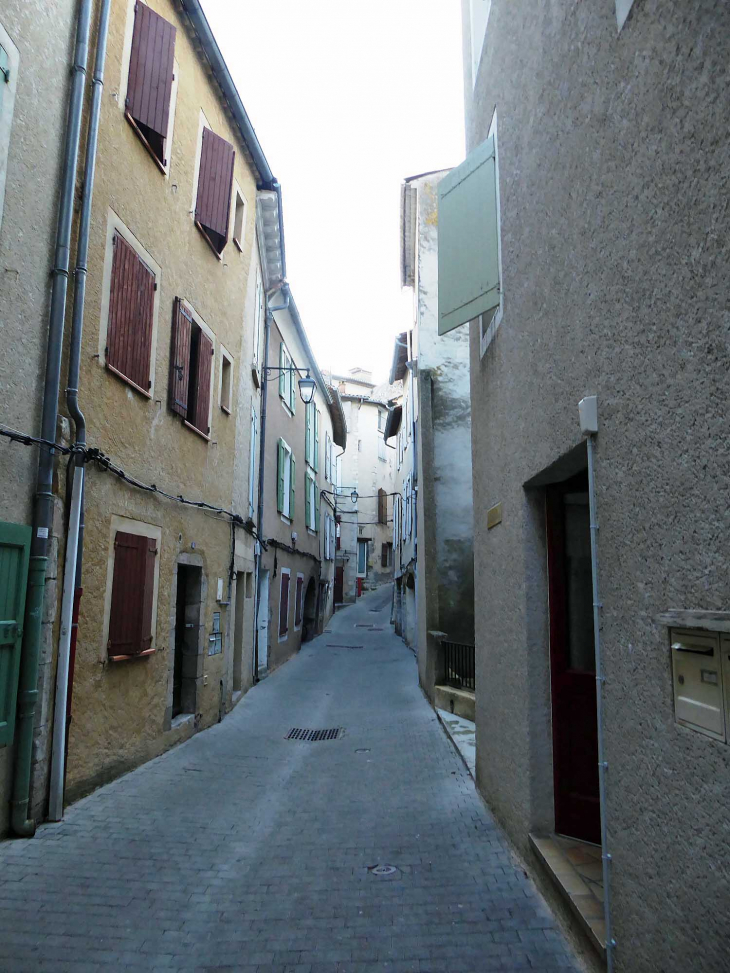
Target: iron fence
(459, 665)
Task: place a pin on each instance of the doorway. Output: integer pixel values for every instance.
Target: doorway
(238, 632)
(339, 584)
(263, 621)
(572, 660)
(309, 626)
(188, 661)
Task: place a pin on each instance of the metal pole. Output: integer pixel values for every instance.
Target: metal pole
(602, 763)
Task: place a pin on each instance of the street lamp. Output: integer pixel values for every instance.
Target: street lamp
(354, 496)
(307, 384)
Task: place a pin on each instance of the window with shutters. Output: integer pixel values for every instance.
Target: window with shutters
(215, 186)
(9, 64)
(131, 314)
(191, 368)
(14, 560)
(239, 217)
(285, 479)
(382, 506)
(298, 602)
(259, 313)
(312, 420)
(386, 555)
(311, 501)
(284, 604)
(362, 558)
(133, 596)
(287, 380)
(148, 104)
(252, 464)
(226, 380)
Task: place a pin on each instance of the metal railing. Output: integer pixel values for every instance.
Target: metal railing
(459, 665)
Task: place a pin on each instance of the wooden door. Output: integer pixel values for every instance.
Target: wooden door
(572, 661)
(339, 584)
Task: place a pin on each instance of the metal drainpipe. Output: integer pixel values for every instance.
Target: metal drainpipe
(20, 823)
(262, 446)
(71, 576)
(602, 763)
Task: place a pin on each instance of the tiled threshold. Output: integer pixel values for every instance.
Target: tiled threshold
(576, 868)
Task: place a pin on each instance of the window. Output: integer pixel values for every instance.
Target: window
(469, 252)
(338, 535)
(284, 604)
(478, 17)
(132, 598)
(362, 558)
(327, 457)
(149, 84)
(382, 506)
(311, 501)
(215, 184)
(226, 381)
(285, 481)
(311, 434)
(381, 420)
(298, 598)
(252, 464)
(329, 537)
(287, 385)
(130, 323)
(249, 584)
(396, 520)
(386, 555)
(239, 219)
(381, 449)
(9, 62)
(191, 365)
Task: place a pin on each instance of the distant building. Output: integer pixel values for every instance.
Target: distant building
(365, 487)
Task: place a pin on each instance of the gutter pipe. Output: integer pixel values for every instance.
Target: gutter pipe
(74, 542)
(600, 679)
(284, 287)
(20, 822)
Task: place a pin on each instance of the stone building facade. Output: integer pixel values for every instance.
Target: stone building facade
(585, 238)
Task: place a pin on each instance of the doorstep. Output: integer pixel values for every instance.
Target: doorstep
(576, 868)
(462, 734)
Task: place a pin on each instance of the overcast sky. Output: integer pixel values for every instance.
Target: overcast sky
(347, 99)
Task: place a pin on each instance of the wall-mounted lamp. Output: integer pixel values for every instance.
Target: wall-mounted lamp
(354, 496)
(307, 384)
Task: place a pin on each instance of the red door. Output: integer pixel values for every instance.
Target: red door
(572, 661)
(339, 584)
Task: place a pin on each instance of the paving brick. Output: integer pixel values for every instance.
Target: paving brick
(243, 851)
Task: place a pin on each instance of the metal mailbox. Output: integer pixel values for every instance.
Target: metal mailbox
(697, 667)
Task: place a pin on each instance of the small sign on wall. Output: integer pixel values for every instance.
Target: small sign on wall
(494, 516)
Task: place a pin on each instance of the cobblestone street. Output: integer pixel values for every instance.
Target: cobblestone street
(244, 850)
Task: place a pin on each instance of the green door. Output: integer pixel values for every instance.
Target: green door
(14, 552)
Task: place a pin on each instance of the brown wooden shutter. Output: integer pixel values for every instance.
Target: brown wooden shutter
(130, 618)
(149, 87)
(298, 603)
(382, 507)
(131, 313)
(215, 183)
(182, 330)
(202, 383)
(284, 605)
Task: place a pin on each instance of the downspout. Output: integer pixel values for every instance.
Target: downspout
(262, 447)
(20, 822)
(74, 551)
(600, 678)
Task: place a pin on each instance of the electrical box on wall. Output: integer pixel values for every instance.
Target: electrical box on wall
(697, 666)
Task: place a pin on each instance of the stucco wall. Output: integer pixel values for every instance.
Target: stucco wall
(42, 35)
(613, 183)
(121, 711)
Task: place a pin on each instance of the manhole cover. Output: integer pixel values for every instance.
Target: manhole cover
(311, 736)
(382, 869)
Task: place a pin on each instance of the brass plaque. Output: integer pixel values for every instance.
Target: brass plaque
(494, 516)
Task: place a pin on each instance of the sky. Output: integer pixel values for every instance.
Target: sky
(347, 99)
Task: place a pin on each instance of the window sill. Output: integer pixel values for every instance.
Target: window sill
(225, 409)
(286, 518)
(238, 244)
(115, 371)
(196, 430)
(255, 374)
(286, 408)
(128, 658)
(160, 165)
(208, 240)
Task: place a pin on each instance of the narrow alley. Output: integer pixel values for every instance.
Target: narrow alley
(245, 850)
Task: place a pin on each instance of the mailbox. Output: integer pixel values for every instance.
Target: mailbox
(698, 681)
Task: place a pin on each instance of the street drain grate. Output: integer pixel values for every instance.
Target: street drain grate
(310, 736)
(363, 625)
(338, 645)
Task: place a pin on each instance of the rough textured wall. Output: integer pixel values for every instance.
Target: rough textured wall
(614, 179)
(43, 34)
(121, 711)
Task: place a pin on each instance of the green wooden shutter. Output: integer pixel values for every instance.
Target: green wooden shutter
(468, 239)
(292, 390)
(315, 491)
(282, 373)
(280, 477)
(14, 559)
(307, 433)
(317, 418)
(292, 487)
(307, 500)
